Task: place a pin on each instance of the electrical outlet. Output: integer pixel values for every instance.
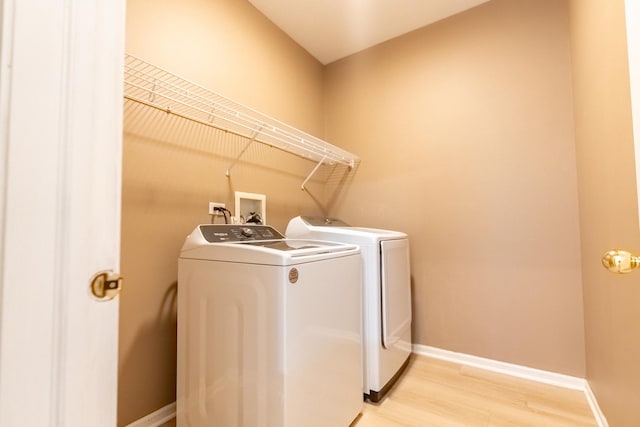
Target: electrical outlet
(213, 206)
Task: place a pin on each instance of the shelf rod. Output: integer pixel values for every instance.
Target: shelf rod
(312, 173)
(251, 140)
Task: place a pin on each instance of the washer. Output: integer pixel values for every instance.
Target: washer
(386, 292)
(269, 330)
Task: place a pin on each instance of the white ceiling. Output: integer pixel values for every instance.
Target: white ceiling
(332, 29)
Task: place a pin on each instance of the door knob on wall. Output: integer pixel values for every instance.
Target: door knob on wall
(618, 261)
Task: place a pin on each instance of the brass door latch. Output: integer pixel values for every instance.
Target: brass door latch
(105, 285)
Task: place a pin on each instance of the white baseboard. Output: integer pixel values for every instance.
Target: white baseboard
(518, 371)
(593, 403)
(156, 418)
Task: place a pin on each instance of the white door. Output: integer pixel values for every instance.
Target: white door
(60, 169)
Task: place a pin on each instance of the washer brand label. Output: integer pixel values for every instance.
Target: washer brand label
(293, 275)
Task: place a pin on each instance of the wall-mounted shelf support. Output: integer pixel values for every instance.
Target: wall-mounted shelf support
(311, 174)
(246, 147)
(152, 86)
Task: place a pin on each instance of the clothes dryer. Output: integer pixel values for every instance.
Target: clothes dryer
(269, 330)
(386, 295)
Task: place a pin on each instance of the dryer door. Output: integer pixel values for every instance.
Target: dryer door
(396, 290)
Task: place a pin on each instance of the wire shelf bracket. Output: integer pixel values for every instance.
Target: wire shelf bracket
(302, 187)
(152, 86)
(246, 147)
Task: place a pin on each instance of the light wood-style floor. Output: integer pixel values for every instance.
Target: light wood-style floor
(437, 393)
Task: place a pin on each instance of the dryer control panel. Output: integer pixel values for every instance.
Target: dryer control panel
(217, 233)
(324, 221)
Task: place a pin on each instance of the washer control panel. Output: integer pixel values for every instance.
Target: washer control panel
(217, 233)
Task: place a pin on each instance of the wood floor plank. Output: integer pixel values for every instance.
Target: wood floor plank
(438, 393)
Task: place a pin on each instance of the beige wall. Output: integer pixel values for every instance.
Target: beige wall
(231, 48)
(608, 204)
(465, 129)
(173, 168)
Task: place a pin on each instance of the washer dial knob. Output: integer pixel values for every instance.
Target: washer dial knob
(247, 232)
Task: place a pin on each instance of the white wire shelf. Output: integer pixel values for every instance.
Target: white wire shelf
(152, 86)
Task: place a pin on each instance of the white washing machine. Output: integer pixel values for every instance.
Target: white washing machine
(386, 293)
(269, 330)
